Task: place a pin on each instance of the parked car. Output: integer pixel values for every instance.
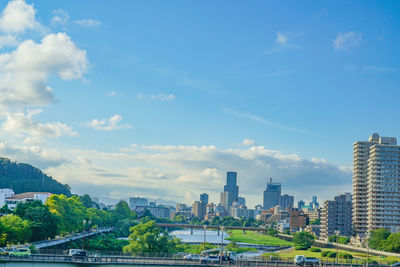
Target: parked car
(77, 253)
(20, 252)
(3, 252)
(192, 257)
(210, 259)
(303, 260)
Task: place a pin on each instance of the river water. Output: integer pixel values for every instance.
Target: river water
(198, 236)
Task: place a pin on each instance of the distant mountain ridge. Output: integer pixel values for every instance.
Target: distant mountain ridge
(22, 177)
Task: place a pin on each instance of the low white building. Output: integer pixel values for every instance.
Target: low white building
(5, 193)
(24, 197)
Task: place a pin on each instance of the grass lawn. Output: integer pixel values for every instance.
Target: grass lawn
(357, 257)
(256, 238)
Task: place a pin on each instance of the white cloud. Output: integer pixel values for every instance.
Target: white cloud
(20, 124)
(248, 142)
(281, 38)
(109, 124)
(112, 93)
(88, 23)
(8, 40)
(38, 157)
(60, 17)
(158, 97)
(282, 42)
(24, 72)
(345, 41)
(18, 17)
(182, 172)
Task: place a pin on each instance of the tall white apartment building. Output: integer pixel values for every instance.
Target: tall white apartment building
(376, 184)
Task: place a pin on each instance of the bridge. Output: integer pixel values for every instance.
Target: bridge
(208, 227)
(65, 239)
(38, 260)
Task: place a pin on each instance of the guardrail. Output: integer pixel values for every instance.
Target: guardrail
(123, 260)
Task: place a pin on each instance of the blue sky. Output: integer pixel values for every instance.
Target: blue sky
(161, 98)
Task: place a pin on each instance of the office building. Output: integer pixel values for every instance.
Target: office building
(204, 198)
(137, 201)
(298, 220)
(376, 183)
(337, 216)
(272, 195)
(286, 201)
(300, 204)
(5, 193)
(231, 187)
(159, 211)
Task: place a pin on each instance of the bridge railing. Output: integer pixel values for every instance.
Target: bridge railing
(159, 261)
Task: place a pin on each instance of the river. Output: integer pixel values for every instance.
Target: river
(198, 236)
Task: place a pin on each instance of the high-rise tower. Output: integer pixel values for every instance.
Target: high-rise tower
(376, 184)
(231, 188)
(271, 195)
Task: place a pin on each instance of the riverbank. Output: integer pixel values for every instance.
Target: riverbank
(257, 238)
(289, 254)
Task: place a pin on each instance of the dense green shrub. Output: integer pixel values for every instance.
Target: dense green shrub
(315, 249)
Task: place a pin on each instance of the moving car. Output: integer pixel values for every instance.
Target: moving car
(3, 252)
(210, 259)
(20, 252)
(303, 260)
(77, 253)
(192, 257)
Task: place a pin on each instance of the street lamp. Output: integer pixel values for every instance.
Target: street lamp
(205, 231)
(222, 245)
(83, 240)
(337, 232)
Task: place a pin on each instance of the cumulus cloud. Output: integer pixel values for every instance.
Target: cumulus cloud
(24, 72)
(345, 41)
(88, 23)
(38, 157)
(21, 124)
(158, 97)
(183, 172)
(18, 17)
(109, 124)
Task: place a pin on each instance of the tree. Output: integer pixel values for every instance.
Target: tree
(378, 236)
(87, 201)
(392, 243)
(315, 222)
(148, 237)
(303, 240)
(69, 212)
(122, 211)
(43, 222)
(16, 229)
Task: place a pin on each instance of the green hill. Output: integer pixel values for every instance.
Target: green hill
(22, 177)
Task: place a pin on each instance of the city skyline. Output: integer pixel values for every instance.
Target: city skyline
(160, 99)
